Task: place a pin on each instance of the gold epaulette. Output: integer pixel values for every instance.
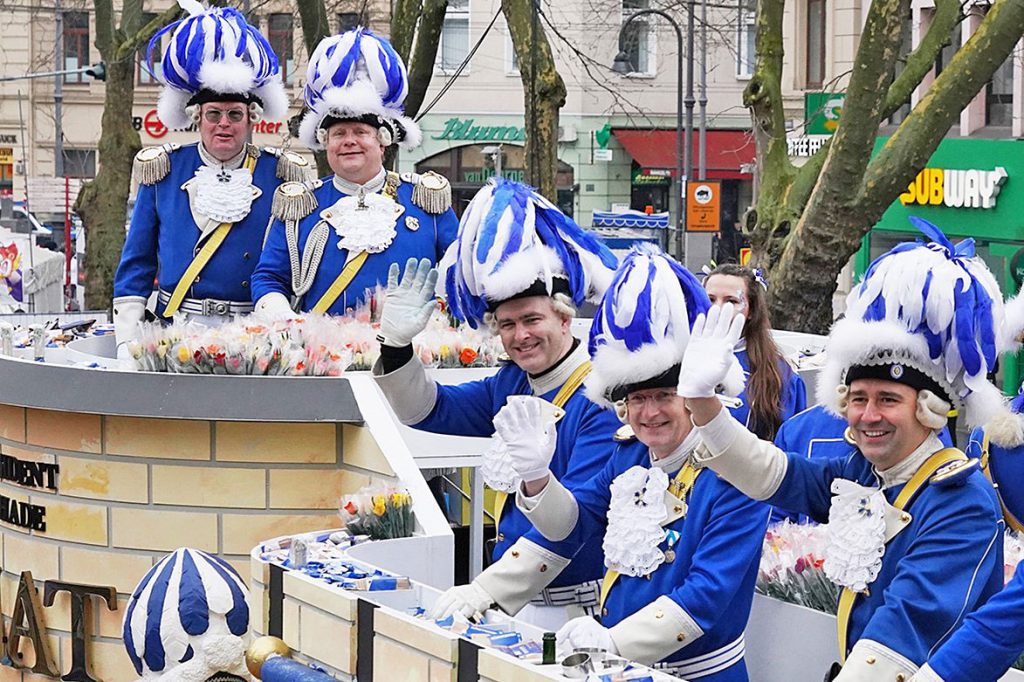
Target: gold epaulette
(431, 192)
(624, 433)
(294, 200)
(152, 164)
(291, 166)
(954, 473)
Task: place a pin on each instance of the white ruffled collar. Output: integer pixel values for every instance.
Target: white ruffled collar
(212, 161)
(352, 188)
(678, 457)
(555, 377)
(905, 470)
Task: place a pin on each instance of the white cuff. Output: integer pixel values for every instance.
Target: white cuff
(410, 391)
(553, 511)
(521, 573)
(753, 466)
(870, 661)
(655, 632)
(926, 674)
(129, 311)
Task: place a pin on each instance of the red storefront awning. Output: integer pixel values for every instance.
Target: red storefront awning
(727, 151)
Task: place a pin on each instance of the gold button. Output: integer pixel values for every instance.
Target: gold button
(659, 614)
(904, 517)
(327, 214)
(543, 567)
(681, 637)
(870, 660)
(900, 677)
(515, 554)
(604, 612)
(677, 509)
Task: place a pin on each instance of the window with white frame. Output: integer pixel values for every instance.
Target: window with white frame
(746, 35)
(454, 36)
(511, 57)
(637, 39)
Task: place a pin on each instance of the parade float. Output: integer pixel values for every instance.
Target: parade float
(300, 479)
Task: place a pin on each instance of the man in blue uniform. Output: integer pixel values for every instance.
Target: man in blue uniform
(681, 545)
(915, 533)
(992, 638)
(331, 241)
(202, 209)
(522, 267)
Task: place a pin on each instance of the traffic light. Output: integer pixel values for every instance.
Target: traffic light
(97, 71)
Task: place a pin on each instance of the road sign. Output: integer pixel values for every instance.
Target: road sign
(822, 111)
(153, 125)
(745, 254)
(702, 206)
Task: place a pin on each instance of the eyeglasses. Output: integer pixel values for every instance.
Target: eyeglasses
(658, 399)
(214, 115)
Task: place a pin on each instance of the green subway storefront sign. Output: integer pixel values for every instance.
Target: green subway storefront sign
(466, 130)
(969, 188)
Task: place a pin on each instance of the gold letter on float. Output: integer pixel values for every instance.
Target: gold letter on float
(25, 622)
(81, 616)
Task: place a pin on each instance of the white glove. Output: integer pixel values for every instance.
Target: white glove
(128, 313)
(585, 633)
(469, 600)
(529, 435)
(407, 306)
(273, 306)
(709, 354)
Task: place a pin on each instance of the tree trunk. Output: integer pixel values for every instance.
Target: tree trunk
(544, 93)
(809, 221)
(421, 63)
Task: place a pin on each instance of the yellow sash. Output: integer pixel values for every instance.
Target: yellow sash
(906, 496)
(680, 486)
(570, 386)
(203, 257)
(1011, 520)
(348, 273)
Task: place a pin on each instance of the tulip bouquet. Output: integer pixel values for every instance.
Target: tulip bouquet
(380, 511)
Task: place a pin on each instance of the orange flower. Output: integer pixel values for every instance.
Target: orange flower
(467, 356)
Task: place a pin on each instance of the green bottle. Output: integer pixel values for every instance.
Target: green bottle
(549, 649)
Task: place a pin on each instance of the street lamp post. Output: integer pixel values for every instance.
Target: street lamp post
(623, 66)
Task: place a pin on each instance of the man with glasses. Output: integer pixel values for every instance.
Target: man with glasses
(201, 210)
(333, 241)
(681, 546)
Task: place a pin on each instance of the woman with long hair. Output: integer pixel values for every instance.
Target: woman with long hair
(774, 392)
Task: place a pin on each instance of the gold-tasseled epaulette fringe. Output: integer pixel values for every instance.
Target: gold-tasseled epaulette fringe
(294, 200)
(292, 167)
(432, 192)
(151, 165)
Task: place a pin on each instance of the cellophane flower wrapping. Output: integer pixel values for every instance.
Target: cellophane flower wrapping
(792, 561)
(306, 345)
(380, 511)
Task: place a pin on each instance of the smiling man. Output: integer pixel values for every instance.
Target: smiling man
(915, 530)
(506, 271)
(201, 210)
(331, 241)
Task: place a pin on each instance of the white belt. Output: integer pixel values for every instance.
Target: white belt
(585, 594)
(706, 664)
(208, 306)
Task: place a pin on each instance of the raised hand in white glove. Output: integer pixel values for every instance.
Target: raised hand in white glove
(528, 430)
(408, 304)
(469, 600)
(709, 354)
(585, 633)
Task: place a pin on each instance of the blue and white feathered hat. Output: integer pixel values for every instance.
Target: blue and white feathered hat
(930, 309)
(357, 76)
(186, 619)
(215, 55)
(642, 327)
(512, 243)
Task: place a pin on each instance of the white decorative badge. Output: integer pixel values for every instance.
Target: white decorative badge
(856, 535)
(635, 515)
(223, 195)
(412, 223)
(496, 467)
(364, 223)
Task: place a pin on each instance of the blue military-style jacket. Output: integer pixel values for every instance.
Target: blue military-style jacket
(418, 234)
(942, 566)
(163, 237)
(582, 449)
(711, 576)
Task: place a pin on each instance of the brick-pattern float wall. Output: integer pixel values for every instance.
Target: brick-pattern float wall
(132, 489)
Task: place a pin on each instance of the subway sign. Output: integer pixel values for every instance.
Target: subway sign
(955, 188)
